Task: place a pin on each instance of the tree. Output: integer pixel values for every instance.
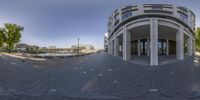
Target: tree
(2, 37)
(1, 40)
(197, 40)
(12, 34)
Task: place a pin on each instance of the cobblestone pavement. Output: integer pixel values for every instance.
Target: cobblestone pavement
(97, 77)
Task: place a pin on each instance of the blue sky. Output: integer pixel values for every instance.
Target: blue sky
(60, 22)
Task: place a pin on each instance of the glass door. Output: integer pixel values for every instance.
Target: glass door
(162, 47)
(143, 47)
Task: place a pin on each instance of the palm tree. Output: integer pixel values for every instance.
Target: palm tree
(12, 34)
(197, 40)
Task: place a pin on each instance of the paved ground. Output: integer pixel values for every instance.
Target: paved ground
(97, 77)
(145, 60)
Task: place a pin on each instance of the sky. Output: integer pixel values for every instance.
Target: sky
(61, 22)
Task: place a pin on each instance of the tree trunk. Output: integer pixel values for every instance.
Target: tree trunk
(9, 51)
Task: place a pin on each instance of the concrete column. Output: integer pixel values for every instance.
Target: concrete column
(108, 47)
(189, 46)
(180, 44)
(126, 44)
(175, 11)
(113, 48)
(128, 40)
(154, 42)
(167, 47)
(141, 9)
(138, 44)
(148, 46)
(193, 46)
(116, 41)
(117, 47)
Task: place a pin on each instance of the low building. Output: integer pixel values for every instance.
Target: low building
(84, 46)
(33, 47)
(43, 49)
(22, 47)
(52, 47)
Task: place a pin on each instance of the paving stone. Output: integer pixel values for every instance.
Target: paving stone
(99, 77)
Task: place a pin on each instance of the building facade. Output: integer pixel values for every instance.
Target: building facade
(151, 30)
(106, 42)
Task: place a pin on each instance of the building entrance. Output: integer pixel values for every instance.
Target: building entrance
(143, 47)
(162, 47)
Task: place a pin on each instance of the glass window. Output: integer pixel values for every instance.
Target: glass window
(116, 22)
(120, 48)
(126, 15)
(183, 9)
(127, 8)
(156, 8)
(183, 17)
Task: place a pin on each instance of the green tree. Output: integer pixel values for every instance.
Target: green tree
(12, 34)
(2, 37)
(197, 40)
(1, 40)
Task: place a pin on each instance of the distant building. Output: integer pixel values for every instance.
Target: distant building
(33, 47)
(22, 47)
(52, 47)
(43, 48)
(84, 46)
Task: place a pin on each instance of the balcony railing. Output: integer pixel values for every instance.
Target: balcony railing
(158, 11)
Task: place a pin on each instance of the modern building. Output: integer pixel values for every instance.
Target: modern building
(152, 31)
